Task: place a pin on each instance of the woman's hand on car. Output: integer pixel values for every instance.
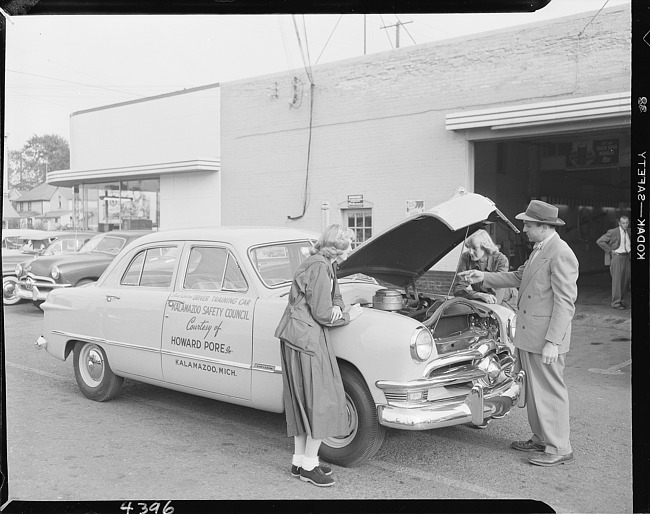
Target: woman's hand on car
(486, 297)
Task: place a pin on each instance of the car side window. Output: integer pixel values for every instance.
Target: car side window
(213, 269)
(234, 279)
(206, 268)
(276, 264)
(153, 267)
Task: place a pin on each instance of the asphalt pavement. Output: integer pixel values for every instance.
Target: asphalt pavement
(594, 301)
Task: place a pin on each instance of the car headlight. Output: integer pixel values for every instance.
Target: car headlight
(55, 272)
(19, 269)
(421, 344)
(490, 365)
(512, 325)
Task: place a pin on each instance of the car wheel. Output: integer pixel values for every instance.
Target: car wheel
(9, 296)
(365, 435)
(93, 373)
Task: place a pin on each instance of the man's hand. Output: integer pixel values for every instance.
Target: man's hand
(336, 314)
(549, 353)
(472, 276)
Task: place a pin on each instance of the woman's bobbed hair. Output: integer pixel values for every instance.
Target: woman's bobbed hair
(483, 240)
(334, 240)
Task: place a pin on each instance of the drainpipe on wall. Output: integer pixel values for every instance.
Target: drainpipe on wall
(325, 215)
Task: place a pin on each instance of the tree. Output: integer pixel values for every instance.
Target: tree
(28, 166)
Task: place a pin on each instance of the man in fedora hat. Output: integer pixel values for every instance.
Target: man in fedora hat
(616, 243)
(547, 293)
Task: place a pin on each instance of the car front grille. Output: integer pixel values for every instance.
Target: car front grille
(35, 280)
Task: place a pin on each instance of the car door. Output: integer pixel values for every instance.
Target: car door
(134, 307)
(208, 324)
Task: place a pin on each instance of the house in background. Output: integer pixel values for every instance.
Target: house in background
(10, 218)
(45, 207)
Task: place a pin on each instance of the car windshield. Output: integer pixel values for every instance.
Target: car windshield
(276, 264)
(103, 243)
(64, 246)
(34, 246)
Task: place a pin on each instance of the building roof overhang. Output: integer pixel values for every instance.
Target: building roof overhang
(74, 177)
(566, 115)
(54, 214)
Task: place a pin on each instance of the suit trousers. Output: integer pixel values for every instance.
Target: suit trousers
(547, 402)
(620, 271)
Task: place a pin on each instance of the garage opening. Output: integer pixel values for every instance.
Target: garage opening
(586, 174)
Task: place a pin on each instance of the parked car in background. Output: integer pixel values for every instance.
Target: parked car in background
(14, 238)
(30, 244)
(195, 310)
(37, 278)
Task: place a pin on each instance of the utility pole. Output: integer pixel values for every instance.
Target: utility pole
(397, 26)
(364, 34)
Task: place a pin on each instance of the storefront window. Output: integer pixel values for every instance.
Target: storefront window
(125, 205)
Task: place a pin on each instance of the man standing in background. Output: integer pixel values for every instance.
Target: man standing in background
(617, 246)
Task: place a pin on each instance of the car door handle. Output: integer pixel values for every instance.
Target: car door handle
(110, 297)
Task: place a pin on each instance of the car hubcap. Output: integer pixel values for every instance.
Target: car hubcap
(91, 365)
(353, 425)
(9, 290)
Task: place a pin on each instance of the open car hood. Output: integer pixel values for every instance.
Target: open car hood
(405, 251)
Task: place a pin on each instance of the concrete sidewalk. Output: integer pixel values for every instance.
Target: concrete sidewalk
(593, 306)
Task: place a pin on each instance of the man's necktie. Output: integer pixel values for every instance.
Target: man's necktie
(536, 248)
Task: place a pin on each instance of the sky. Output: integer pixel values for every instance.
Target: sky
(57, 65)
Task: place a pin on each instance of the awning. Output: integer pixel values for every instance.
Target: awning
(54, 214)
(560, 115)
(73, 177)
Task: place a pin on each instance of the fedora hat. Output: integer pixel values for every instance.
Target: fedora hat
(541, 212)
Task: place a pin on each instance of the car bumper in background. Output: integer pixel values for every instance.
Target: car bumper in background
(36, 291)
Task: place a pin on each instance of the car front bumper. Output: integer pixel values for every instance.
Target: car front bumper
(36, 291)
(475, 408)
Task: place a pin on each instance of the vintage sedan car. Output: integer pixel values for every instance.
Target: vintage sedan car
(31, 244)
(14, 238)
(37, 278)
(195, 310)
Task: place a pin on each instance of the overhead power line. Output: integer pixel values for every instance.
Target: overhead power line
(75, 83)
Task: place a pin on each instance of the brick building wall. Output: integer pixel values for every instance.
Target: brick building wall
(378, 121)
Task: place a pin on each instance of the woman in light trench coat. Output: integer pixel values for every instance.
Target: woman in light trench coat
(314, 399)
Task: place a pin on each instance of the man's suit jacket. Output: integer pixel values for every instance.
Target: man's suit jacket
(610, 241)
(547, 294)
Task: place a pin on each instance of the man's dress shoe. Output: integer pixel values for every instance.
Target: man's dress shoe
(527, 446)
(548, 459)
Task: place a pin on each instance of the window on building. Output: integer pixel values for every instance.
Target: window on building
(360, 221)
(126, 205)
(60, 204)
(29, 206)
